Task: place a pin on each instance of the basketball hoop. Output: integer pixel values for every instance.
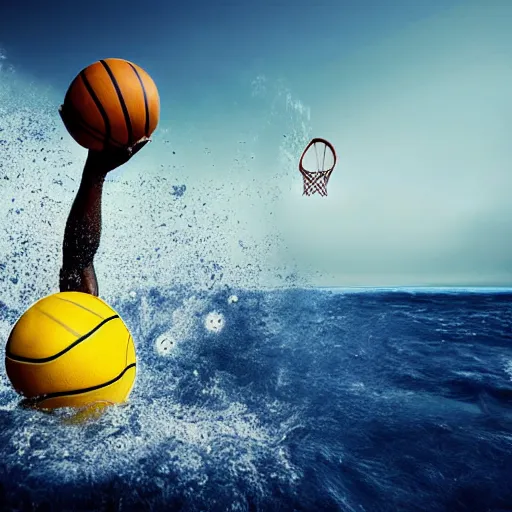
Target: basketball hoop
(320, 155)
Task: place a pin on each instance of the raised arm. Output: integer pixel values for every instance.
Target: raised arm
(83, 227)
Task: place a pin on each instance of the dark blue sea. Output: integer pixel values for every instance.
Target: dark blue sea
(286, 400)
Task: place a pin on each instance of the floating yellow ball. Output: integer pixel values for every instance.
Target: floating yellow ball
(71, 349)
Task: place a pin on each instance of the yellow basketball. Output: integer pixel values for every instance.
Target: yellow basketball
(71, 349)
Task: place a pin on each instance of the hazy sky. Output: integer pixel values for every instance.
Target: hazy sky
(415, 95)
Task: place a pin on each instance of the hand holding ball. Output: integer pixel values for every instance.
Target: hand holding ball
(111, 104)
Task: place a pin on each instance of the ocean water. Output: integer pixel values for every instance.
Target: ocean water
(255, 391)
(293, 399)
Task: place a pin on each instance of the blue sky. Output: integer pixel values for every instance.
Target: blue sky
(415, 95)
(185, 44)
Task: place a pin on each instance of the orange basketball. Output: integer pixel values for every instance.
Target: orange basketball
(111, 103)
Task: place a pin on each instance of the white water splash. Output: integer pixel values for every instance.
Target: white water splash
(162, 222)
(508, 369)
(214, 322)
(183, 324)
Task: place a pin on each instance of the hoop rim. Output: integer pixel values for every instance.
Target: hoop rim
(314, 141)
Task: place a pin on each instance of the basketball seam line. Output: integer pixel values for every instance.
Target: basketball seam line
(80, 306)
(127, 347)
(59, 394)
(78, 119)
(23, 359)
(95, 133)
(56, 320)
(146, 126)
(98, 104)
(121, 100)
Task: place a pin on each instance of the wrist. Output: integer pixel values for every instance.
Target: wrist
(96, 164)
(93, 174)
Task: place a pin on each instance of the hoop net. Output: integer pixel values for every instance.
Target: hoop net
(316, 165)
